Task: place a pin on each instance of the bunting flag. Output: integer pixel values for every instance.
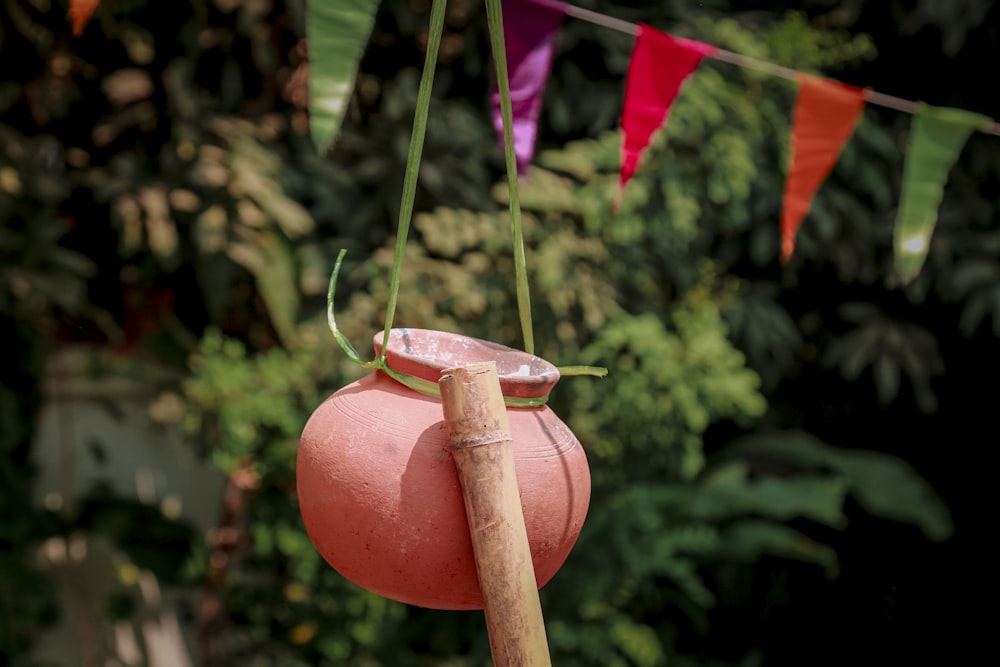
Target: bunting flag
(79, 13)
(660, 64)
(530, 30)
(824, 118)
(936, 140)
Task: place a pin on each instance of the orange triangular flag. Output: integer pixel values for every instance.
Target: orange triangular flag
(79, 12)
(824, 118)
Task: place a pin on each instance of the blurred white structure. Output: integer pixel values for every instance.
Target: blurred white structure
(95, 428)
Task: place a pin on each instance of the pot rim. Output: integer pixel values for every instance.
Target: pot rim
(424, 353)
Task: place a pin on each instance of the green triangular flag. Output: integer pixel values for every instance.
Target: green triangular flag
(936, 140)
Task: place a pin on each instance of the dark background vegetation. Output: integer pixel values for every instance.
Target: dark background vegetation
(159, 196)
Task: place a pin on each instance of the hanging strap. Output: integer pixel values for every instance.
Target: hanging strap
(406, 212)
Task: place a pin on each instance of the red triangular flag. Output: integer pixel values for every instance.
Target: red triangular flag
(824, 118)
(79, 12)
(660, 63)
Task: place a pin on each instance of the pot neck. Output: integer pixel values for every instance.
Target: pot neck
(419, 356)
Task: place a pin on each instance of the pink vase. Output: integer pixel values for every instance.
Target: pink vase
(379, 493)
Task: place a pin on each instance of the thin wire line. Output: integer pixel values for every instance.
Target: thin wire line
(629, 28)
(598, 19)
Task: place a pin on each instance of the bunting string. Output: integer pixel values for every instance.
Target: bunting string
(824, 117)
(619, 25)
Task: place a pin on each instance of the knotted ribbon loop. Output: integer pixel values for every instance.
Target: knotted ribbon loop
(419, 384)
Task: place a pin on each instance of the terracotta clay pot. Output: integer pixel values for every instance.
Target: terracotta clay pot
(377, 485)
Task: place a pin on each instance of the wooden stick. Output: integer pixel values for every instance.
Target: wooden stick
(476, 417)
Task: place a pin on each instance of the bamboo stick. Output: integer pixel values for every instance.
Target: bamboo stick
(476, 417)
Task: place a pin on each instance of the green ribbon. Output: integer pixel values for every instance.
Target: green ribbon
(413, 155)
(419, 384)
(494, 17)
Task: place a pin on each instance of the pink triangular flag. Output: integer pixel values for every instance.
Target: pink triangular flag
(824, 118)
(530, 30)
(660, 64)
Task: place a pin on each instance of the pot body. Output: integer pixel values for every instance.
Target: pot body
(379, 493)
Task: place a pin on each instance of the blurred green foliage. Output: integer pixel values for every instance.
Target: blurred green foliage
(160, 193)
